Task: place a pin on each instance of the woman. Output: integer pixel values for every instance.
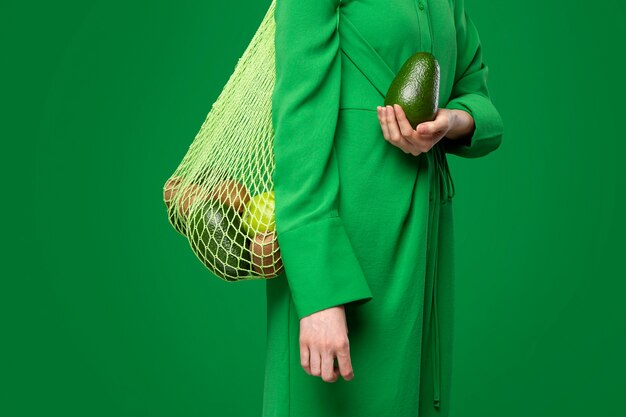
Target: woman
(360, 320)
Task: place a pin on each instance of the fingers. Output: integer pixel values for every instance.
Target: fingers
(392, 131)
(323, 365)
(431, 132)
(395, 135)
(382, 118)
(398, 131)
(316, 362)
(324, 336)
(305, 358)
(392, 124)
(403, 122)
(328, 367)
(345, 364)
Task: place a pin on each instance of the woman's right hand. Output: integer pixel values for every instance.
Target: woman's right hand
(324, 336)
(397, 129)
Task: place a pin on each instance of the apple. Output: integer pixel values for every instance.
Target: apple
(258, 214)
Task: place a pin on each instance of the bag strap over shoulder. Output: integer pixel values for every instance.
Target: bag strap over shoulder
(364, 56)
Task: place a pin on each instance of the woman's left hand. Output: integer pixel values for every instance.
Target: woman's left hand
(398, 131)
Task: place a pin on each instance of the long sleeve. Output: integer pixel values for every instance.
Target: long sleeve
(470, 92)
(321, 266)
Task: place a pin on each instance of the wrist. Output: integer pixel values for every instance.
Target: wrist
(462, 125)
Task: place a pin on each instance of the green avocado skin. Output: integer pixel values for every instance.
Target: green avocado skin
(416, 88)
(218, 240)
(176, 221)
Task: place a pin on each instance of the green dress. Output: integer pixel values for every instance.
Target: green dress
(358, 221)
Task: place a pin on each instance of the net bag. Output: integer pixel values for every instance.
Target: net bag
(221, 196)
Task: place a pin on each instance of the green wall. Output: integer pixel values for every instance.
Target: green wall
(106, 311)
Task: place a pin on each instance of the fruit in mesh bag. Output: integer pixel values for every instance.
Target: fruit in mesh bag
(170, 189)
(258, 214)
(217, 238)
(232, 193)
(177, 222)
(188, 194)
(266, 259)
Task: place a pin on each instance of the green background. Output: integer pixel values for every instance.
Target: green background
(106, 311)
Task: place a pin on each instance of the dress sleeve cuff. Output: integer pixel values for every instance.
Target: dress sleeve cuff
(487, 135)
(321, 267)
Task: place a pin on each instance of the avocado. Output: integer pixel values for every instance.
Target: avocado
(218, 240)
(176, 221)
(416, 88)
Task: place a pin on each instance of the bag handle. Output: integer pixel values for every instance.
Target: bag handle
(364, 56)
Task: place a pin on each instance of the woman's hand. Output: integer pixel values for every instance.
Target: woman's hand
(398, 131)
(324, 336)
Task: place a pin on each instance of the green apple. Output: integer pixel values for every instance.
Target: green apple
(258, 214)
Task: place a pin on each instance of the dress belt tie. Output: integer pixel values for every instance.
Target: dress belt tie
(442, 191)
(374, 68)
(441, 164)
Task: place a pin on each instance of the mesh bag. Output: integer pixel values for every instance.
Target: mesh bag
(221, 196)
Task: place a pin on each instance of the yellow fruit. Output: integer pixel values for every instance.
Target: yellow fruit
(258, 214)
